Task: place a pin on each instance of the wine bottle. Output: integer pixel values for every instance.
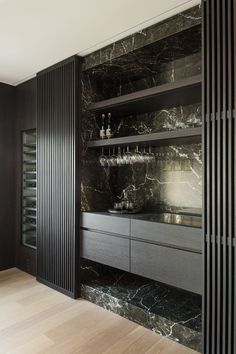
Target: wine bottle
(103, 130)
(109, 133)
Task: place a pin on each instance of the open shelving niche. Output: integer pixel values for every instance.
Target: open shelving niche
(182, 92)
(29, 188)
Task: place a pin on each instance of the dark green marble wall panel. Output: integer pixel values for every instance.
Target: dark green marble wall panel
(157, 32)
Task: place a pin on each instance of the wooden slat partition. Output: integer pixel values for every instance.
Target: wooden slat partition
(58, 178)
(218, 97)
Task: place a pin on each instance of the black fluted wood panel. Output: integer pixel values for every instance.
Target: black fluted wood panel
(7, 175)
(219, 82)
(58, 180)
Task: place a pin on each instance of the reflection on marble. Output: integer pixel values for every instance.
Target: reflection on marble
(173, 313)
(180, 22)
(174, 179)
(96, 192)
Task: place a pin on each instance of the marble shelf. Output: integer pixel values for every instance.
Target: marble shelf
(181, 136)
(185, 91)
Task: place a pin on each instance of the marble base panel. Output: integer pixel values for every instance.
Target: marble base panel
(171, 312)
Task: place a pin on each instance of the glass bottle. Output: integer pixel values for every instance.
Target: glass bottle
(109, 133)
(103, 130)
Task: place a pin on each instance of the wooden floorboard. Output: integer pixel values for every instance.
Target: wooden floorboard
(36, 319)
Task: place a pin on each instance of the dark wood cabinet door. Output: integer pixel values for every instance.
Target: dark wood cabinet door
(106, 223)
(106, 249)
(182, 237)
(168, 265)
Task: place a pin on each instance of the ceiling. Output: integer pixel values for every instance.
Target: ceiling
(35, 34)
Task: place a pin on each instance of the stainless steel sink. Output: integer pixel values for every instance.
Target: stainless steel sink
(179, 219)
(173, 218)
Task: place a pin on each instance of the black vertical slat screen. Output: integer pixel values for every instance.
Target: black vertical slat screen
(58, 213)
(219, 99)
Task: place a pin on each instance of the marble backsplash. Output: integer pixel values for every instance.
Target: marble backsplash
(136, 72)
(174, 179)
(169, 119)
(173, 59)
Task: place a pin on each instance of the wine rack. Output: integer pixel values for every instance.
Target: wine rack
(29, 188)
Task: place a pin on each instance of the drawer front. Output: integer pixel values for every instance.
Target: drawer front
(178, 236)
(174, 267)
(106, 249)
(106, 223)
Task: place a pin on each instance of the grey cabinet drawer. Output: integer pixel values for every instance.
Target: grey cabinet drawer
(171, 266)
(106, 249)
(175, 235)
(105, 223)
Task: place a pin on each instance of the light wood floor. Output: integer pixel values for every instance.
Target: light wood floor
(36, 319)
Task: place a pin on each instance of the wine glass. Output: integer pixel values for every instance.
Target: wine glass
(123, 160)
(119, 157)
(109, 159)
(139, 155)
(136, 155)
(151, 155)
(103, 159)
(113, 158)
(144, 156)
(128, 156)
(159, 159)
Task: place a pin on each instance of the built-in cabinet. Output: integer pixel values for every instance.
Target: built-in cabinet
(170, 254)
(109, 249)
(183, 237)
(153, 94)
(172, 266)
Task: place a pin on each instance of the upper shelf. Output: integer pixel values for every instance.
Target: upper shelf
(182, 92)
(181, 136)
